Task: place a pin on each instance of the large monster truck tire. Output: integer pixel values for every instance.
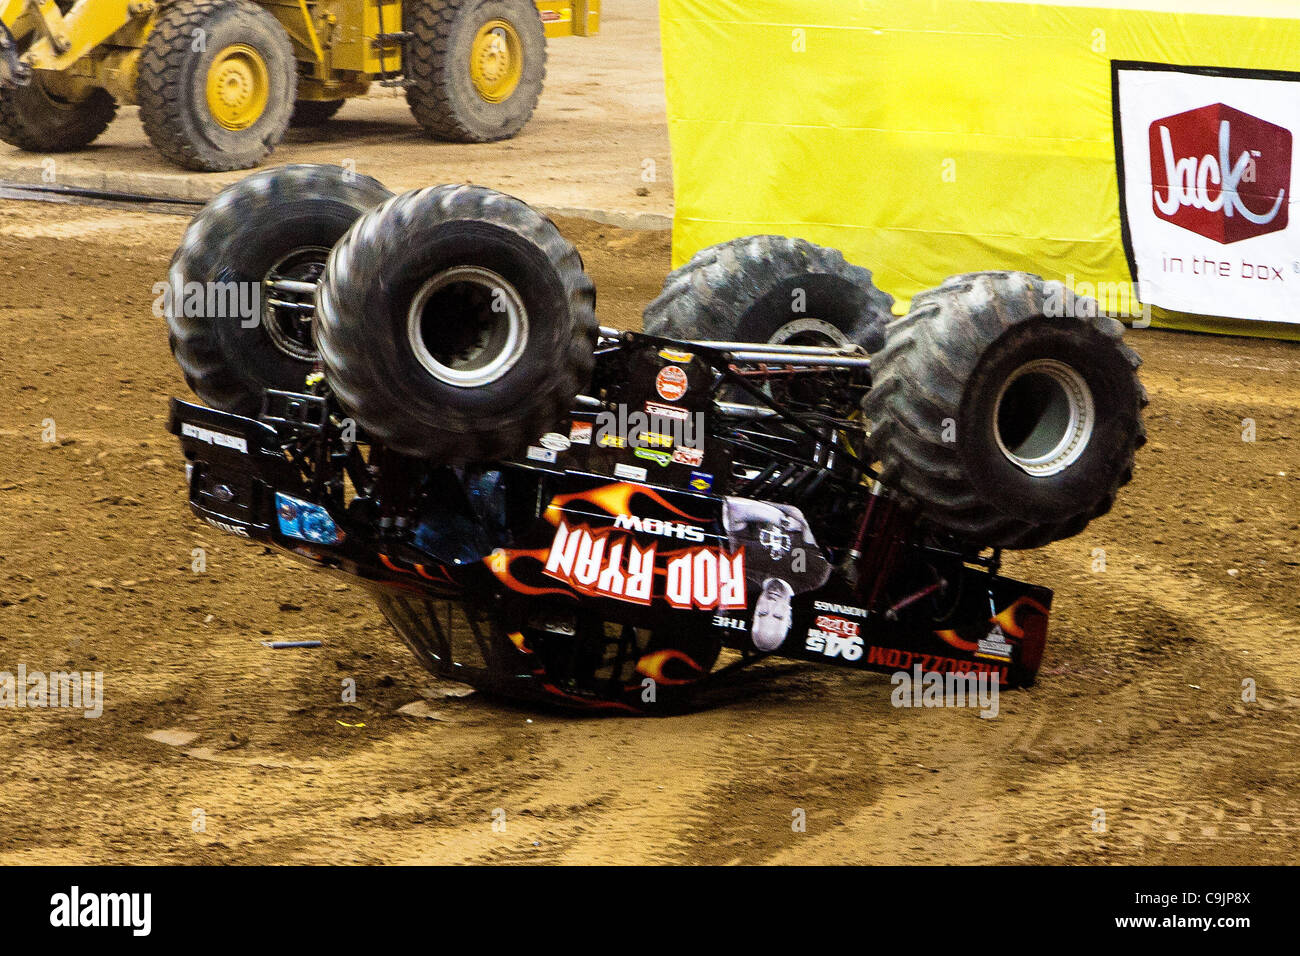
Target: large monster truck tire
(456, 324)
(275, 225)
(309, 113)
(36, 120)
(227, 105)
(771, 289)
(475, 67)
(1006, 408)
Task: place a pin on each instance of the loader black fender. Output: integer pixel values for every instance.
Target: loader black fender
(279, 224)
(309, 113)
(35, 118)
(771, 289)
(1008, 409)
(456, 324)
(224, 106)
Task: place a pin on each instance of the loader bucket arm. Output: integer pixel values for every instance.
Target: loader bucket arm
(60, 40)
(13, 72)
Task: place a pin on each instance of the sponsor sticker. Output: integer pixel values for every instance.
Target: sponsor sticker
(672, 356)
(670, 383)
(660, 458)
(838, 625)
(701, 481)
(831, 644)
(688, 456)
(846, 609)
(835, 636)
(541, 454)
(994, 645)
(629, 472)
(611, 441)
(667, 411)
(554, 441)
(580, 433)
(210, 437)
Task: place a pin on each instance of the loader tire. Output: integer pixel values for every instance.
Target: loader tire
(1006, 408)
(456, 324)
(227, 106)
(308, 113)
(34, 119)
(475, 67)
(771, 289)
(279, 223)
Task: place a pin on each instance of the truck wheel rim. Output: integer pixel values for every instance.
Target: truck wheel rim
(809, 332)
(238, 87)
(467, 326)
(1044, 417)
(288, 309)
(496, 62)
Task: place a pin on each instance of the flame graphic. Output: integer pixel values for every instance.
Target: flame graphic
(1005, 619)
(957, 641)
(420, 569)
(614, 500)
(499, 562)
(652, 665)
(593, 703)
(441, 570)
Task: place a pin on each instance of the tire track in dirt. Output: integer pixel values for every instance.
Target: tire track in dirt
(1151, 734)
(285, 772)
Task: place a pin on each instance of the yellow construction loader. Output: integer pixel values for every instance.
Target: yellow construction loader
(218, 82)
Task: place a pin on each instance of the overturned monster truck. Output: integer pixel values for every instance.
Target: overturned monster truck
(418, 396)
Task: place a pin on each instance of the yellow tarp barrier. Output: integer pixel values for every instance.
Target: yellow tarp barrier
(929, 137)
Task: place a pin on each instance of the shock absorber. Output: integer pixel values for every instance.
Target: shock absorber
(869, 563)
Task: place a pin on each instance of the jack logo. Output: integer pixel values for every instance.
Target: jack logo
(1221, 173)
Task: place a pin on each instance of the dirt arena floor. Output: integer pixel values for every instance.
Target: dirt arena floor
(598, 141)
(215, 749)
